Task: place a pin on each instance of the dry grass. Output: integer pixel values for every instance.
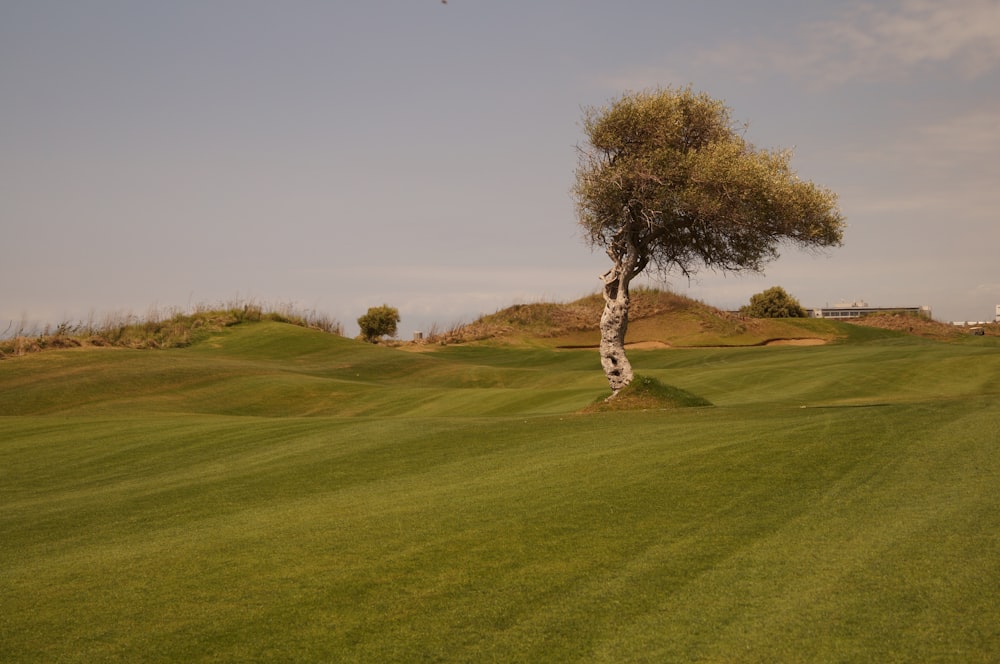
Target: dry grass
(157, 329)
(660, 318)
(922, 326)
(579, 319)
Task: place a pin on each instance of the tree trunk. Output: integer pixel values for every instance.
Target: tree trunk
(614, 324)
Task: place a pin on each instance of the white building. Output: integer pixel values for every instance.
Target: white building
(860, 308)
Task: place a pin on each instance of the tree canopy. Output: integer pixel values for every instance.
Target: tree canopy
(667, 180)
(775, 302)
(379, 322)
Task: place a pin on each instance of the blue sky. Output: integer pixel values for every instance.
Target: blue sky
(337, 155)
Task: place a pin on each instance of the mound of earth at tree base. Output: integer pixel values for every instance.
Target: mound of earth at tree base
(646, 393)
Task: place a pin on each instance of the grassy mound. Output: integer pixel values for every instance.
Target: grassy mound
(917, 325)
(176, 330)
(655, 316)
(648, 393)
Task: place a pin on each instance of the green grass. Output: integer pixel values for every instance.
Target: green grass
(273, 493)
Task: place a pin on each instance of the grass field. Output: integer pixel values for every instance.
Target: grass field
(274, 493)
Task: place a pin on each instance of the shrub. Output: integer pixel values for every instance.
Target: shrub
(773, 303)
(379, 322)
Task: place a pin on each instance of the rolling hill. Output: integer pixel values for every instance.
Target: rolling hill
(272, 492)
(659, 319)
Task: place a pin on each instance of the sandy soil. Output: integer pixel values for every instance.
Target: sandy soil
(658, 345)
(796, 342)
(647, 345)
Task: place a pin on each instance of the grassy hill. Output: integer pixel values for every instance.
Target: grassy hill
(272, 492)
(663, 319)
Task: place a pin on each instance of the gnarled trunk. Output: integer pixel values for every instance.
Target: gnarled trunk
(614, 324)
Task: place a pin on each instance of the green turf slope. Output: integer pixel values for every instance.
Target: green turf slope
(280, 370)
(277, 494)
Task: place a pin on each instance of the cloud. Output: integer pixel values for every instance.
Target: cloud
(944, 164)
(964, 31)
(972, 134)
(874, 41)
(989, 289)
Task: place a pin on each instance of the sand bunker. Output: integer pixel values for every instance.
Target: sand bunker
(795, 342)
(647, 345)
(659, 345)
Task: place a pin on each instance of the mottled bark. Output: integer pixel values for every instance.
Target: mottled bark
(629, 262)
(630, 258)
(614, 324)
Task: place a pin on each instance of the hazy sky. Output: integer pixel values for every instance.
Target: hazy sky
(342, 154)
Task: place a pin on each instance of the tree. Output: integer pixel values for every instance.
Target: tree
(666, 180)
(379, 322)
(773, 303)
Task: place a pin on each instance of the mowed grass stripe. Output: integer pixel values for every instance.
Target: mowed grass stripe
(313, 374)
(860, 528)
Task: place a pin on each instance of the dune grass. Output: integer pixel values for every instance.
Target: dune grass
(654, 315)
(273, 493)
(174, 328)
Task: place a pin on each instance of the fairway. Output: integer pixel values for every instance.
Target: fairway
(274, 493)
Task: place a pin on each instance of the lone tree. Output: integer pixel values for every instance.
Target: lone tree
(666, 180)
(379, 322)
(775, 302)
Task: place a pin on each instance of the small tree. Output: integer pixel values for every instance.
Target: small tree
(773, 303)
(379, 322)
(667, 180)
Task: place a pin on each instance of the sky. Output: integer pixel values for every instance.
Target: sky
(336, 155)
